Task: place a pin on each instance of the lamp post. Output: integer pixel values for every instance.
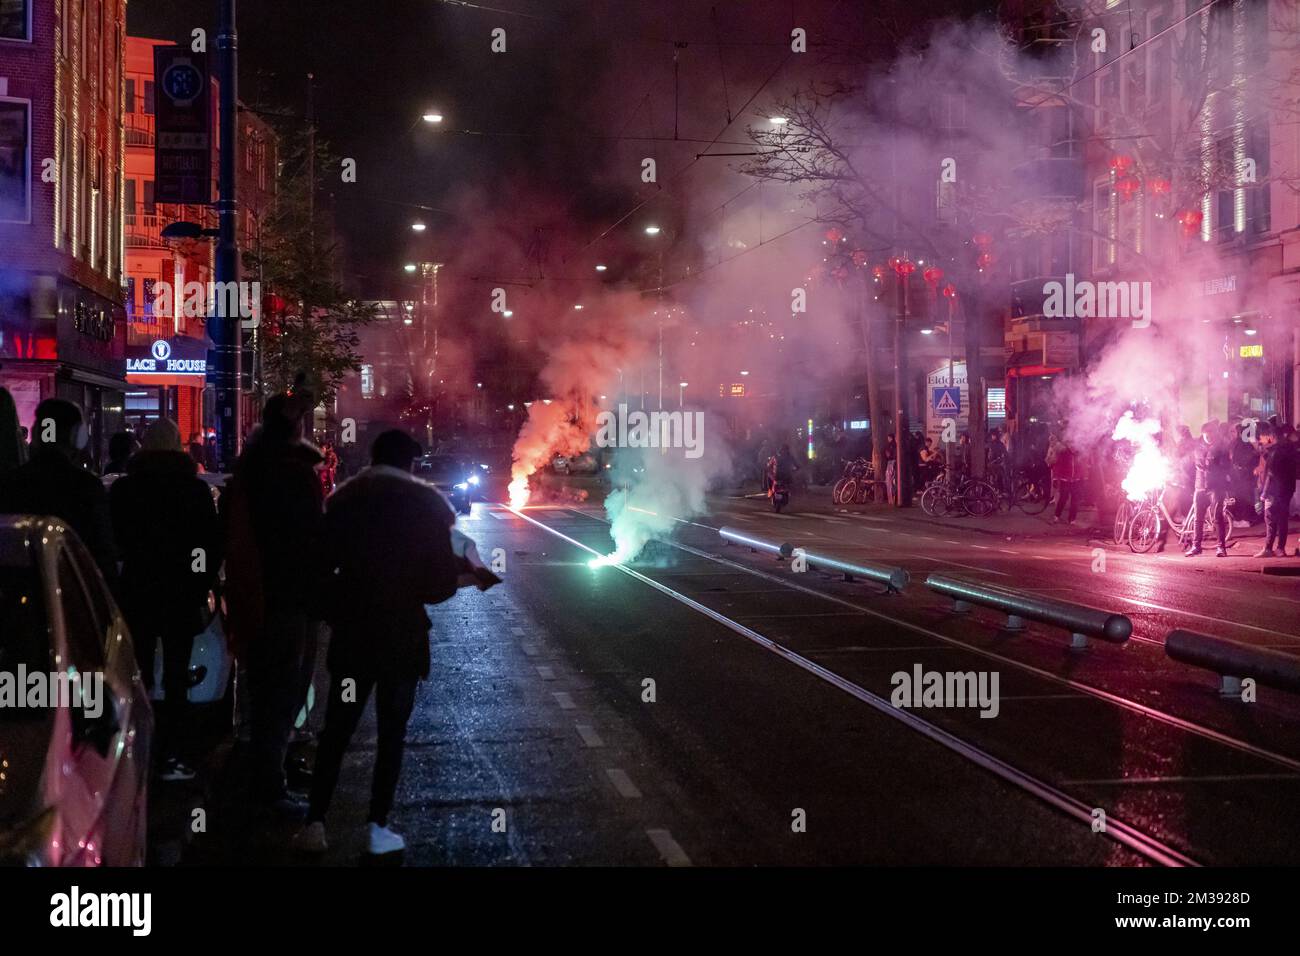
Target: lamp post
(681, 394)
(224, 330)
(903, 268)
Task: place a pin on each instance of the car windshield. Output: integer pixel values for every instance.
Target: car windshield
(443, 468)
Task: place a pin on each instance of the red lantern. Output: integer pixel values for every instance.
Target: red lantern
(1121, 164)
(904, 267)
(950, 291)
(985, 260)
(1190, 221)
(1158, 186)
(878, 272)
(932, 275)
(834, 235)
(1127, 188)
(859, 257)
(982, 239)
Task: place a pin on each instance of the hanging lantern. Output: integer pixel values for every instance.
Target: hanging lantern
(950, 291)
(833, 234)
(904, 267)
(1121, 164)
(1190, 220)
(985, 260)
(932, 275)
(1158, 186)
(859, 257)
(1127, 188)
(878, 272)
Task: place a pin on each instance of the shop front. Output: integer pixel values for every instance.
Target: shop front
(167, 379)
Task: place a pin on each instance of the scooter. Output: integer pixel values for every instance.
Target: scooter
(777, 490)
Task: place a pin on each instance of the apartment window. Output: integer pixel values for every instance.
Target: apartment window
(367, 381)
(149, 207)
(15, 160)
(1103, 224)
(15, 19)
(148, 297)
(129, 194)
(65, 180)
(1258, 213)
(148, 97)
(248, 151)
(130, 96)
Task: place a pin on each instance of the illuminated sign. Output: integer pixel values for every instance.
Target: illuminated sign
(997, 402)
(738, 390)
(1252, 351)
(162, 362)
(858, 424)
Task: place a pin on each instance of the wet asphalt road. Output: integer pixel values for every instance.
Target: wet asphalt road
(535, 740)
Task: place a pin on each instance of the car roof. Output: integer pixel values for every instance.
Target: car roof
(17, 532)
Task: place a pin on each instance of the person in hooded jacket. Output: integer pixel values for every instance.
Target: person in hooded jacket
(165, 524)
(1212, 457)
(388, 553)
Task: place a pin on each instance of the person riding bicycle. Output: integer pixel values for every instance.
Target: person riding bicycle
(786, 466)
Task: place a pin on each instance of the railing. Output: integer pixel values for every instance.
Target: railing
(144, 223)
(139, 129)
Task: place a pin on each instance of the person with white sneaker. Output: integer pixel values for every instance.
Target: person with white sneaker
(388, 545)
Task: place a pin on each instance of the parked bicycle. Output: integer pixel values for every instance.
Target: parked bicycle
(858, 484)
(969, 496)
(1149, 523)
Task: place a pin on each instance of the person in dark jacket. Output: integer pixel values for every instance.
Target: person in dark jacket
(13, 445)
(273, 515)
(1213, 461)
(165, 523)
(1278, 487)
(50, 483)
(388, 546)
(120, 449)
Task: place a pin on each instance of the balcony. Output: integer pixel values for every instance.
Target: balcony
(144, 329)
(145, 222)
(140, 130)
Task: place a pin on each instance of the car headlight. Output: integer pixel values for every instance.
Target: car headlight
(462, 486)
(472, 479)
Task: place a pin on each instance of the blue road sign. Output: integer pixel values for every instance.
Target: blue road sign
(946, 401)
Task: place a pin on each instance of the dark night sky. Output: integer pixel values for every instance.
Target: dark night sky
(573, 66)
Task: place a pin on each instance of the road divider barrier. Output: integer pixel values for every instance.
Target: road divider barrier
(732, 536)
(1234, 661)
(894, 578)
(1082, 622)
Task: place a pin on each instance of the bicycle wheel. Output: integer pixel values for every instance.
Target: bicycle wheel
(866, 492)
(934, 500)
(1030, 497)
(1122, 515)
(980, 499)
(847, 492)
(1144, 530)
(837, 491)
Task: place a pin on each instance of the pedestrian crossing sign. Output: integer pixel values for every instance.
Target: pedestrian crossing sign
(947, 401)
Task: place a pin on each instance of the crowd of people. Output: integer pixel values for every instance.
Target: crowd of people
(359, 565)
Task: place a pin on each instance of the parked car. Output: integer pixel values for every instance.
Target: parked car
(584, 464)
(75, 785)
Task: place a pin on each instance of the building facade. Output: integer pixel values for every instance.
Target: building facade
(62, 147)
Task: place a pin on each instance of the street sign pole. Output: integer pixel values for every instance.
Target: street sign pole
(225, 330)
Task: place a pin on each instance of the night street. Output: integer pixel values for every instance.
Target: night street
(477, 465)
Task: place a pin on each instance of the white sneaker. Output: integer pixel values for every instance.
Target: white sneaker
(384, 840)
(311, 838)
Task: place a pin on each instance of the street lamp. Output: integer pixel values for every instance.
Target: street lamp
(410, 267)
(681, 394)
(432, 117)
(418, 227)
(903, 268)
(601, 267)
(652, 230)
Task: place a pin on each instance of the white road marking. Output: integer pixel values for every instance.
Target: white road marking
(564, 700)
(623, 784)
(545, 673)
(589, 735)
(673, 854)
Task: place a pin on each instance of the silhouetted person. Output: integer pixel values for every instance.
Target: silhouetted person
(388, 548)
(166, 527)
(1213, 462)
(51, 483)
(120, 449)
(273, 514)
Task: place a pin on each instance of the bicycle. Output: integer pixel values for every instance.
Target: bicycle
(1028, 494)
(1148, 524)
(857, 486)
(973, 496)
